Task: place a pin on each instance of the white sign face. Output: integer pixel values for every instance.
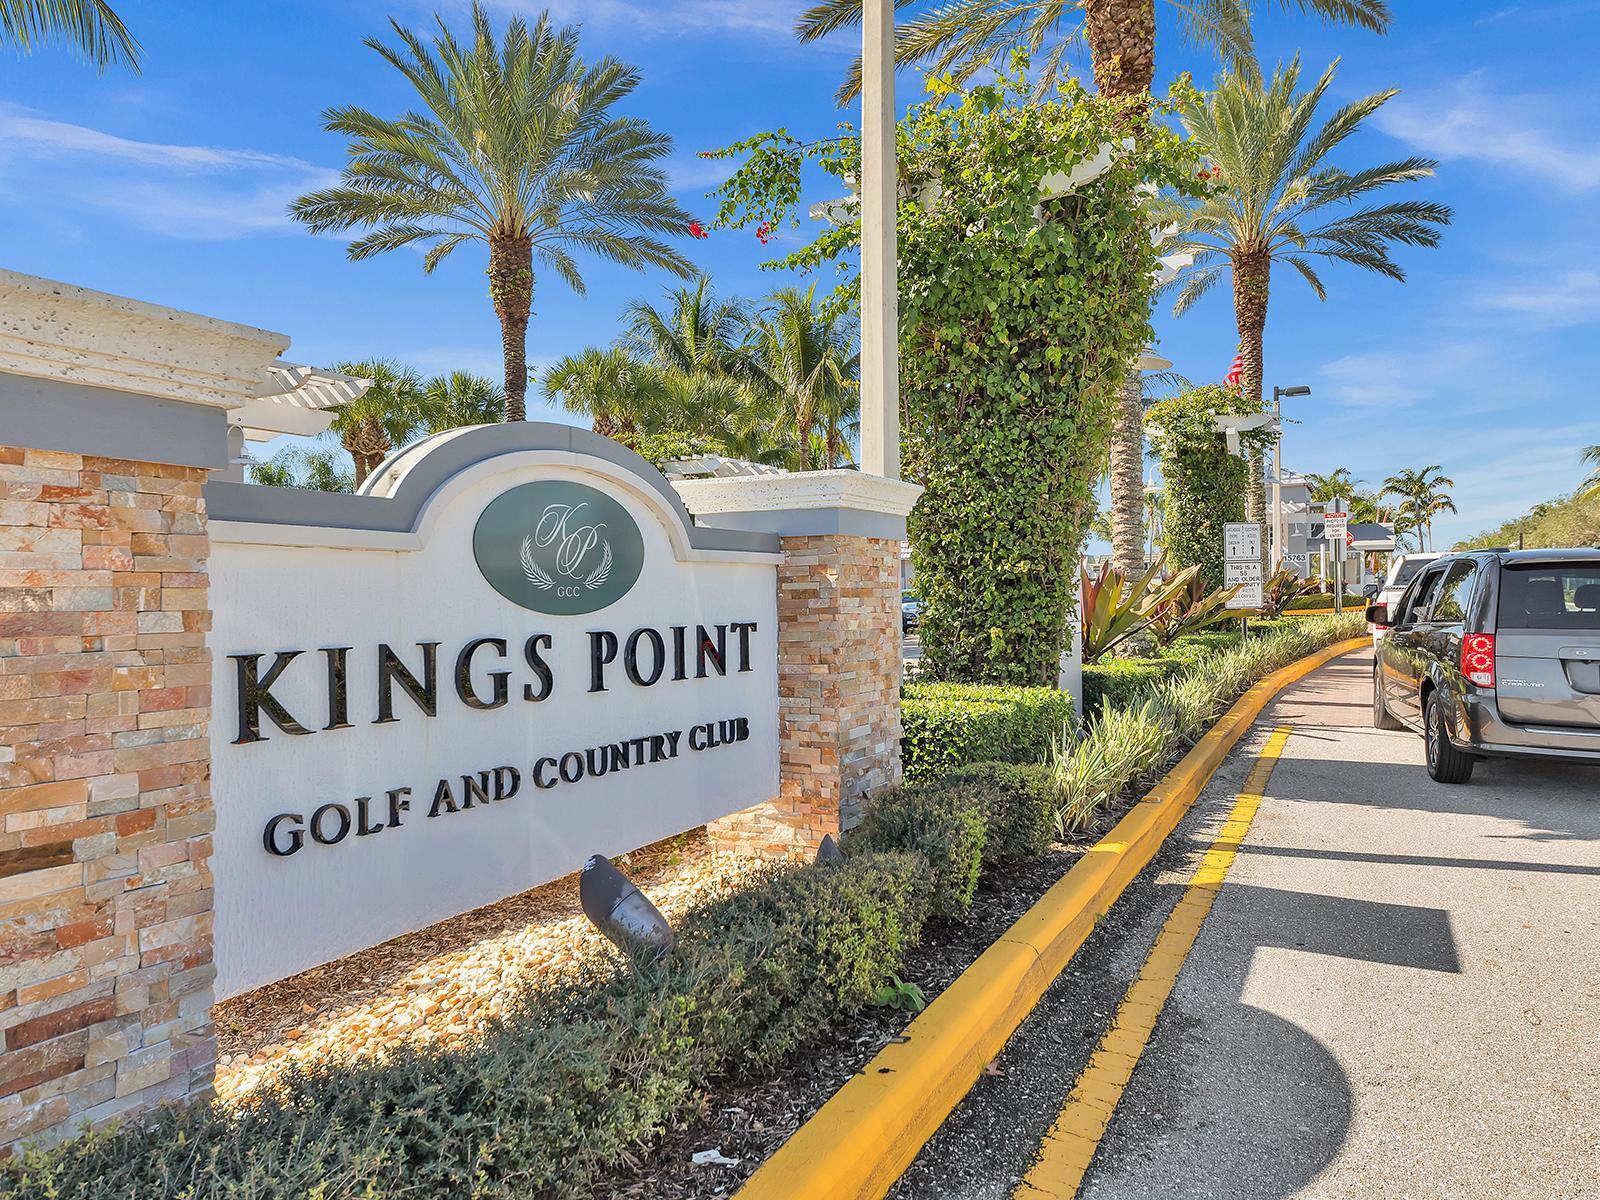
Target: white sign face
(1241, 540)
(1241, 572)
(1335, 525)
(1249, 597)
(404, 730)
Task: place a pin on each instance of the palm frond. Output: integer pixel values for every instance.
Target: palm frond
(89, 27)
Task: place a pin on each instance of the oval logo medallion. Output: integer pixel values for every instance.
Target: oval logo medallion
(558, 547)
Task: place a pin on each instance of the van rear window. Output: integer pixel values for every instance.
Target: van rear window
(1550, 596)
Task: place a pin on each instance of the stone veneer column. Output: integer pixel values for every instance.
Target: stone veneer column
(112, 414)
(839, 646)
(105, 805)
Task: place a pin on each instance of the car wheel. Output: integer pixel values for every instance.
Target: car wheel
(1380, 712)
(1446, 764)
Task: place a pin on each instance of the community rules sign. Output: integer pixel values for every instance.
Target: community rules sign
(412, 724)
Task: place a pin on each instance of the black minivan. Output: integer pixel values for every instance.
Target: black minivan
(1493, 654)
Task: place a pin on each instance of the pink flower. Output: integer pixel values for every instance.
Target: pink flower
(764, 232)
(697, 230)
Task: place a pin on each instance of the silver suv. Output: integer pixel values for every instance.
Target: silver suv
(1494, 654)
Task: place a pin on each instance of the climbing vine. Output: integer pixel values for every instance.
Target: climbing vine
(1020, 304)
(1205, 485)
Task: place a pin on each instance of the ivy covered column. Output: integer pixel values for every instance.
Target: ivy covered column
(839, 646)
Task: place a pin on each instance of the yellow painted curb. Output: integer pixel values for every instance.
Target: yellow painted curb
(861, 1140)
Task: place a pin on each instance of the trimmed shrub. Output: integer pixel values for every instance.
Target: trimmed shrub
(944, 826)
(1121, 681)
(1018, 802)
(949, 725)
(566, 1083)
(1325, 600)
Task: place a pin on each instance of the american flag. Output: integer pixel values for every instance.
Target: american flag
(1235, 376)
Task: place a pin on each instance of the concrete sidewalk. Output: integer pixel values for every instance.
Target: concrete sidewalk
(1396, 993)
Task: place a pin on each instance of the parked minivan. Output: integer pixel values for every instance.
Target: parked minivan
(1493, 654)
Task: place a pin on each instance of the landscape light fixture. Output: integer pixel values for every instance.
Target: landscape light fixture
(828, 852)
(621, 911)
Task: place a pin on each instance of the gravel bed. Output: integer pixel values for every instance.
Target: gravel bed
(443, 983)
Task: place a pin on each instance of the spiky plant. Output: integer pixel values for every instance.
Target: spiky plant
(90, 27)
(694, 332)
(516, 145)
(1591, 485)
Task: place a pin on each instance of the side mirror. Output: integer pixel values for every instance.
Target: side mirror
(1378, 614)
(1370, 590)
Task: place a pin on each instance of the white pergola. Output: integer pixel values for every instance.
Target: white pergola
(880, 366)
(296, 399)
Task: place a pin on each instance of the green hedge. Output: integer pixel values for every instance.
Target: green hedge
(1324, 600)
(948, 725)
(1120, 681)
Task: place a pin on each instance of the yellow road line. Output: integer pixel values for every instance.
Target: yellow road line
(1066, 1151)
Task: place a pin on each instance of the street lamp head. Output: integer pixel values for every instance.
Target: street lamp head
(1302, 390)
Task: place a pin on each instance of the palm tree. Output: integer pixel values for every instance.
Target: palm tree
(1591, 485)
(515, 146)
(317, 470)
(613, 388)
(694, 333)
(959, 38)
(386, 416)
(89, 26)
(1276, 206)
(1422, 497)
(1337, 483)
(460, 398)
(807, 363)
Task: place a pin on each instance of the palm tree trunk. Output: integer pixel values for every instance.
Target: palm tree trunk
(511, 286)
(1127, 479)
(1251, 284)
(1122, 45)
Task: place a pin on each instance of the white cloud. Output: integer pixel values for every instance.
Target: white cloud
(201, 193)
(1468, 120)
(1564, 298)
(685, 18)
(1389, 379)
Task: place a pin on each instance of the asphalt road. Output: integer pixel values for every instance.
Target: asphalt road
(1396, 993)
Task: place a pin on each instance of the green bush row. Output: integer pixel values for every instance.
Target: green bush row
(1126, 744)
(571, 1080)
(948, 725)
(1325, 600)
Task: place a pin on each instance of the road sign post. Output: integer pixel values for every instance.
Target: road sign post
(1336, 533)
(1241, 555)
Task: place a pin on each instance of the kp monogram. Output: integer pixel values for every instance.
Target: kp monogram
(567, 548)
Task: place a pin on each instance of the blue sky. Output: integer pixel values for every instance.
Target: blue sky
(170, 186)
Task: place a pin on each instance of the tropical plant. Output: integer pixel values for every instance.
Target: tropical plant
(89, 26)
(1338, 482)
(694, 332)
(1114, 607)
(384, 417)
(610, 386)
(460, 398)
(959, 38)
(1422, 497)
(319, 470)
(1591, 485)
(1281, 201)
(806, 362)
(1282, 586)
(1190, 608)
(516, 145)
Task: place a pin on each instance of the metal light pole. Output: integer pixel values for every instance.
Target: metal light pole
(1278, 394)
(880, 365)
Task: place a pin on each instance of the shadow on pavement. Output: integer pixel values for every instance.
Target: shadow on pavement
(1425, 860)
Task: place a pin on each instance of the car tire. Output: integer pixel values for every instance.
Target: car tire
(1446, 764)
(1380, 712)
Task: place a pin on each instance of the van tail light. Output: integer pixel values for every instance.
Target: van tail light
(1477, 658)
